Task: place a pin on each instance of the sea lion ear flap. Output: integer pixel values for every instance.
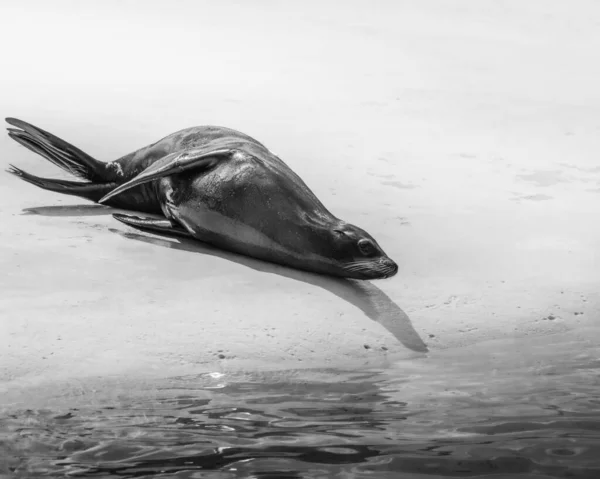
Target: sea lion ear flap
(173, 163)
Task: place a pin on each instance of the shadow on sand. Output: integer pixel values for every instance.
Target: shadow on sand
(367, 297)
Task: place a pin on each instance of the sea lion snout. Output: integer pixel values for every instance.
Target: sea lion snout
(381, 269)
(390, 268)
(378, 269)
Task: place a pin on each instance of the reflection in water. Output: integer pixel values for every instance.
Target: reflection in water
(364, 295)
(327, 424)
(373, 302)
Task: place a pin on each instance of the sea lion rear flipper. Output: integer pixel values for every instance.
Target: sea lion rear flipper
(173, 163)
(152, 224)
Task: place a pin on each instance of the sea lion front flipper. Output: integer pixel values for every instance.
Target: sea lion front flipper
(173, 163)
(152, 224)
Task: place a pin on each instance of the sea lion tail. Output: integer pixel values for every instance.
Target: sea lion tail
(84, 189)
(57, 151)
(66, 156)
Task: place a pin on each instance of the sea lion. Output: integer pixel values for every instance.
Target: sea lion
(218, 186)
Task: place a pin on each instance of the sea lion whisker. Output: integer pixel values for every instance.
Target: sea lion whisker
(360, 264)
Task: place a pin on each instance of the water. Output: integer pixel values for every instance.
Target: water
(452, 414)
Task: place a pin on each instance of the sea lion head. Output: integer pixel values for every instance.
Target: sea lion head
(357, 255)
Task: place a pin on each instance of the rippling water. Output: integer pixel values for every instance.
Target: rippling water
(430, 418)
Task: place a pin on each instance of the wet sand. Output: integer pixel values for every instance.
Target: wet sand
(463, 137)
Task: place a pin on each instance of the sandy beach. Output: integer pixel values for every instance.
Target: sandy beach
(464, 136)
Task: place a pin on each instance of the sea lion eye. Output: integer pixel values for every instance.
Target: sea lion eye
(366, 247)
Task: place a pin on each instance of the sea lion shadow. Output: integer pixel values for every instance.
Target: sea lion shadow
(70, 210)
(367, 297)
